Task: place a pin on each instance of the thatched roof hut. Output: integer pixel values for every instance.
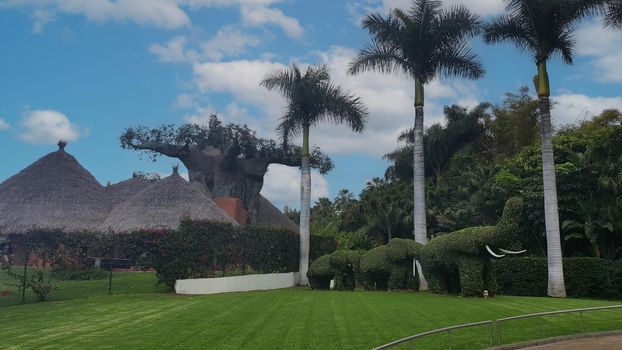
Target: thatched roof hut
(124, 190)
(270, 216)
(53, 192)
(162, 205)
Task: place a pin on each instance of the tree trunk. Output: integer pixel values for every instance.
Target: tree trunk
(419, 213)
(556, 287)
(222, 177)
(305, 209)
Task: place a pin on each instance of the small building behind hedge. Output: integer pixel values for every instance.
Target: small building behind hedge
(162, 204)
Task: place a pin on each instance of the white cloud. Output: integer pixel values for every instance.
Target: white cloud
(40, 19)
(241, 79)
(605, 46)
(185, 101)
(389, 99)
(282, 186)
(174, 51)
(48, 127)
(158, 13)
(571, 108)
(3, 124)
(168, 14)
(261, 15)
(228, 41)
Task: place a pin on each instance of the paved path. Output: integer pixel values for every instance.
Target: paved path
(604, 343)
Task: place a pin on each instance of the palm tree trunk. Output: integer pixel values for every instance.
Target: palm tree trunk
(305, 209)
(556, 287)
(420, 233)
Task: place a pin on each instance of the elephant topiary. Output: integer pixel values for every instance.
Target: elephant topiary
(461, 260)
(320, 273)
(390, 266)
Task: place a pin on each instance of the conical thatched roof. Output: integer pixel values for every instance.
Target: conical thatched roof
(270, 216)
(124, 190)
(53, 192)
(162, 205)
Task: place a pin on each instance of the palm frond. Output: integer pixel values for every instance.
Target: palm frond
(459, 61)
(457, 24)
(283, 81)
(379, 57)
(613, 17)
(289, 127)
(510, 29)
(342, 107)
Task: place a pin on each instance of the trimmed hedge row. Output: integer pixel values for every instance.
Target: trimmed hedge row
(197, 249)
(584, 277)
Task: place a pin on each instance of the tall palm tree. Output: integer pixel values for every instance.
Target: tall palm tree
(312, 99)
(423, 42)
(614, 14)
(544, 28)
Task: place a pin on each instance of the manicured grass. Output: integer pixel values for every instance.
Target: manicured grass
(294, 318)
(122, 283)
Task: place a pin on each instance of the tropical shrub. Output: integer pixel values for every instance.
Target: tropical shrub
(41, 285)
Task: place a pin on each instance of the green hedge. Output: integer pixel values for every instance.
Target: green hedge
(197, 249)
(321, 245)
(584, 277)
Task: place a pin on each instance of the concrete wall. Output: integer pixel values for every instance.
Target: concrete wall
(235, 284)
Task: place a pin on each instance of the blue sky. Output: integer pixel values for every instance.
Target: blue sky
(85, 70)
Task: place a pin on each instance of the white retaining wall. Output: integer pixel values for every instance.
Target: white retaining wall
(236, 284)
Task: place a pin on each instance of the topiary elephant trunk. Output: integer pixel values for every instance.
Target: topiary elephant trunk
(461, 260)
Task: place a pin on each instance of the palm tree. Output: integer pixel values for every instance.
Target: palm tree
(544, 28)
(312, 99)
(424, 42)
(614, 14)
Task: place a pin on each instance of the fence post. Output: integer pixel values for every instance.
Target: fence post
(492, 334)
(582, 326)
(449, 336)
(110, 276)
(499, 332)
(25, 275)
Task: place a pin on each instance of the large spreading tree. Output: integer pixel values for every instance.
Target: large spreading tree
(544, 28)
(424, 42)
(311, 100)
(229, 160)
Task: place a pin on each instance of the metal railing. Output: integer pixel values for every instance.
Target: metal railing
(448, 330)
(550, 313)
(492, 324)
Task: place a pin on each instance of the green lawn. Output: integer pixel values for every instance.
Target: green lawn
(294, 318)
(122, 283)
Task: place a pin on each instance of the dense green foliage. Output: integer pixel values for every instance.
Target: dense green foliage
(485, 156)
(292, 318)
(584, 277)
